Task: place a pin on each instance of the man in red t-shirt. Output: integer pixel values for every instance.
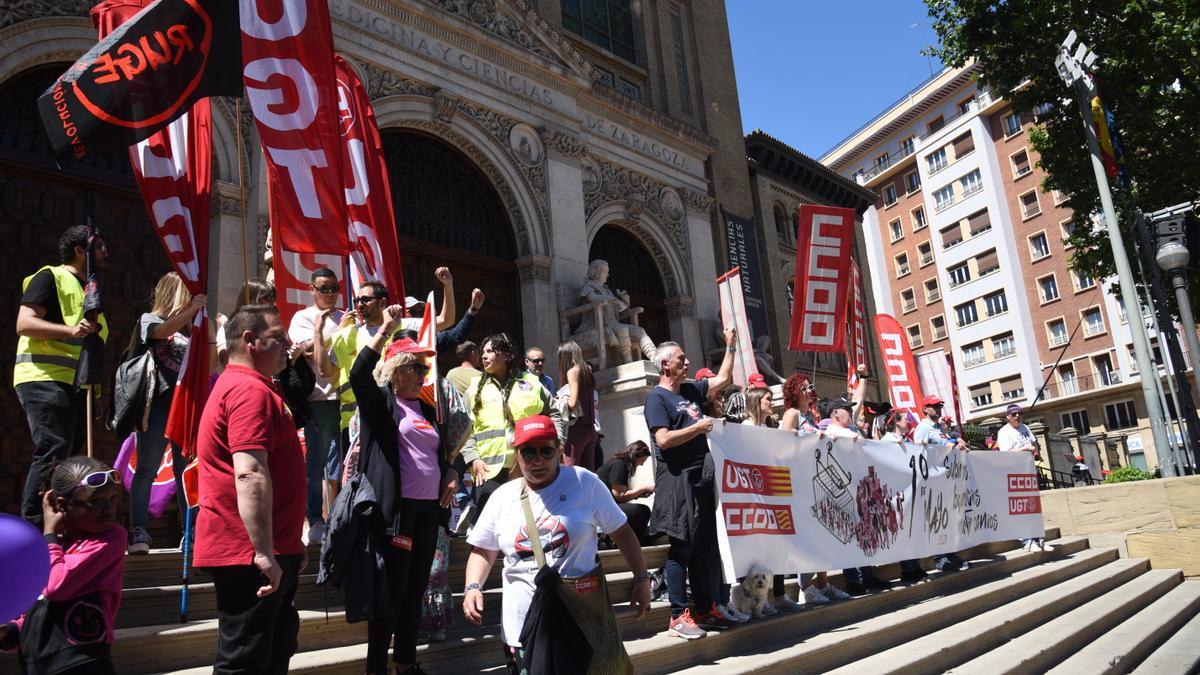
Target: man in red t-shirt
(252, 488)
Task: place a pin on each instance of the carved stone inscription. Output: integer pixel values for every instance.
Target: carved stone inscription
(441, 52)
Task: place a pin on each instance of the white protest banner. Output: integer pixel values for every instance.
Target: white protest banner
(733, 315)
(806, 502)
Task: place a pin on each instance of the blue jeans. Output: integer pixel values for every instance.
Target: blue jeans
(699, 558)
(151, 444)
(322, 436)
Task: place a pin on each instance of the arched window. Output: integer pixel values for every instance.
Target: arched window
(781, 225)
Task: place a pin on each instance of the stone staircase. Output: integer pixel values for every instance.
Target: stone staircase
(1073, 610)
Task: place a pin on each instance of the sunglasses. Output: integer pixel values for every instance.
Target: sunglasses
(538, 361)
(364, 299)
(418, 368)
(328, 290)
(544, 451)
(1014, 414)
(99, 479)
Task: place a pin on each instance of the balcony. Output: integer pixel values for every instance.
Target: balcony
(971, 362)
(982, 100)
(977, 187)
(1003, 352)
(886, 163)
(1109, 377)
(1059, 340)
(1078, 385)
(1093, 329)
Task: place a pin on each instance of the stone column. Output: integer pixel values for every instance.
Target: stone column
(684, 329)
(539, 303)
(1042, 433)
(227, 249)
(1095, 460)
(1070, 435)
(1118, 452)
(565, 207)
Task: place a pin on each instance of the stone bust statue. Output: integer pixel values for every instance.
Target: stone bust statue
(625, 339)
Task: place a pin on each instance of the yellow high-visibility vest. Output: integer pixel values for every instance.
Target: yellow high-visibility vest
(493, 436)
(55, 360)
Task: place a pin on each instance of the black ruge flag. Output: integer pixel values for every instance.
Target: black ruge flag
(144, 75)
(91, 355)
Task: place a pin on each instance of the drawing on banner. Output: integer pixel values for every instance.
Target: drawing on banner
(871, 516)
(833, 505)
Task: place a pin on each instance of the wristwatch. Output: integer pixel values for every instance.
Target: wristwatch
(731, 349)
(472, 587)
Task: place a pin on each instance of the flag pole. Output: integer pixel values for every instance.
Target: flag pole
(88, 206)
(237, 116)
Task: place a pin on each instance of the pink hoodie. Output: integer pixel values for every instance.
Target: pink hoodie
(94, 563)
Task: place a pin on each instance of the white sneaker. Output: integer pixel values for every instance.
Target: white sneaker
(834, 593)
(315, 533)
(740, 616)
(1045, 547)
(789, 604)
(1029, 545)
(729, 614)
(812, 596)
(768, 610)
(465, 519)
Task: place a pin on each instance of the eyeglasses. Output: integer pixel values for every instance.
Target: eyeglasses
(537, 361)
(543, 451)
(364, 299)
(99, 479)
(327, 290)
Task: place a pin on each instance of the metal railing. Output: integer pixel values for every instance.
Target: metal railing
(967, 192)
(974, 361)
(1080, 384)
(1002, 353)
(885, 163)
(1059, 340)
(1093, 329)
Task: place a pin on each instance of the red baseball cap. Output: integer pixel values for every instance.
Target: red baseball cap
(756, 377)
(406, 346)
(534, 429)
(931, 399)
(704, 374)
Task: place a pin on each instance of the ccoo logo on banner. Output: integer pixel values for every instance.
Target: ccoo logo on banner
(799, 503)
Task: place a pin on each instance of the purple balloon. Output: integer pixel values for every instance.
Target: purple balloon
(25, 560)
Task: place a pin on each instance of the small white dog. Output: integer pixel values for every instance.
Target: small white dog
(753, 594)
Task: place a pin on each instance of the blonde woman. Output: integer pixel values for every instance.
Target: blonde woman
(579, 391)
(164, 332)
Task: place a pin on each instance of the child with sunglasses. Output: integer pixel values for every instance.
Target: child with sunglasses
(87, 560)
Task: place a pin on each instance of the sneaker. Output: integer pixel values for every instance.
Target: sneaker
(832, 592)
(1046, 548)
(769, 610)
(139, 541)
(784, 602)
(874, 583)
(813, 596)
(729, 614)
(713, 619)
(682, 626)
(951, 563)
(316, 532)
(1028, 545)
(741, 618)
(855, 589)
(414, 669)
(913, 576)
(465, 519)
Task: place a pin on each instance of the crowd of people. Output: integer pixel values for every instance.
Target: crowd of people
(331, 431)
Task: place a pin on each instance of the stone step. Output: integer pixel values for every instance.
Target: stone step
(467, 648)
(879, 621)
(937, 651)
(1042, 647)
(1179, 653)
(1129, 644)
(151, 604)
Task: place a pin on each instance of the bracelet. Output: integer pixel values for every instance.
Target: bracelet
(472, 587)
(732, 349)
(642, 577)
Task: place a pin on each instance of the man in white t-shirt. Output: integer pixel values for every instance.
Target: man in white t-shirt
(322, 436)
(1016, 437)
(929, 431)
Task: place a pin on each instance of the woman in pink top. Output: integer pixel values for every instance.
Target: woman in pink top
(87, 559)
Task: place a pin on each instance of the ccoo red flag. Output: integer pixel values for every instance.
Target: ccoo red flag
(904, 382)
(824, 244)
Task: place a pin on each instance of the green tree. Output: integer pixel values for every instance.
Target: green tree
(1148, 75)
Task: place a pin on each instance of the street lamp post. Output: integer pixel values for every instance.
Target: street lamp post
(1172, 257)
(1072, 68)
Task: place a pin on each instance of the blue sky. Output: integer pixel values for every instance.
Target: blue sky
(810, 72)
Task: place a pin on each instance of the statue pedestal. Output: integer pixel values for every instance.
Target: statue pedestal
(623, 392)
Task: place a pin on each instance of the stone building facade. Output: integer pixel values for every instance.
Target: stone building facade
(523, 138)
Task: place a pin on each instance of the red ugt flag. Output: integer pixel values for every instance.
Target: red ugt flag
(375, 253)
(824, 242)
(287, 52)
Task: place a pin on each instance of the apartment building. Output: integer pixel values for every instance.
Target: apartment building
(969, 255)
